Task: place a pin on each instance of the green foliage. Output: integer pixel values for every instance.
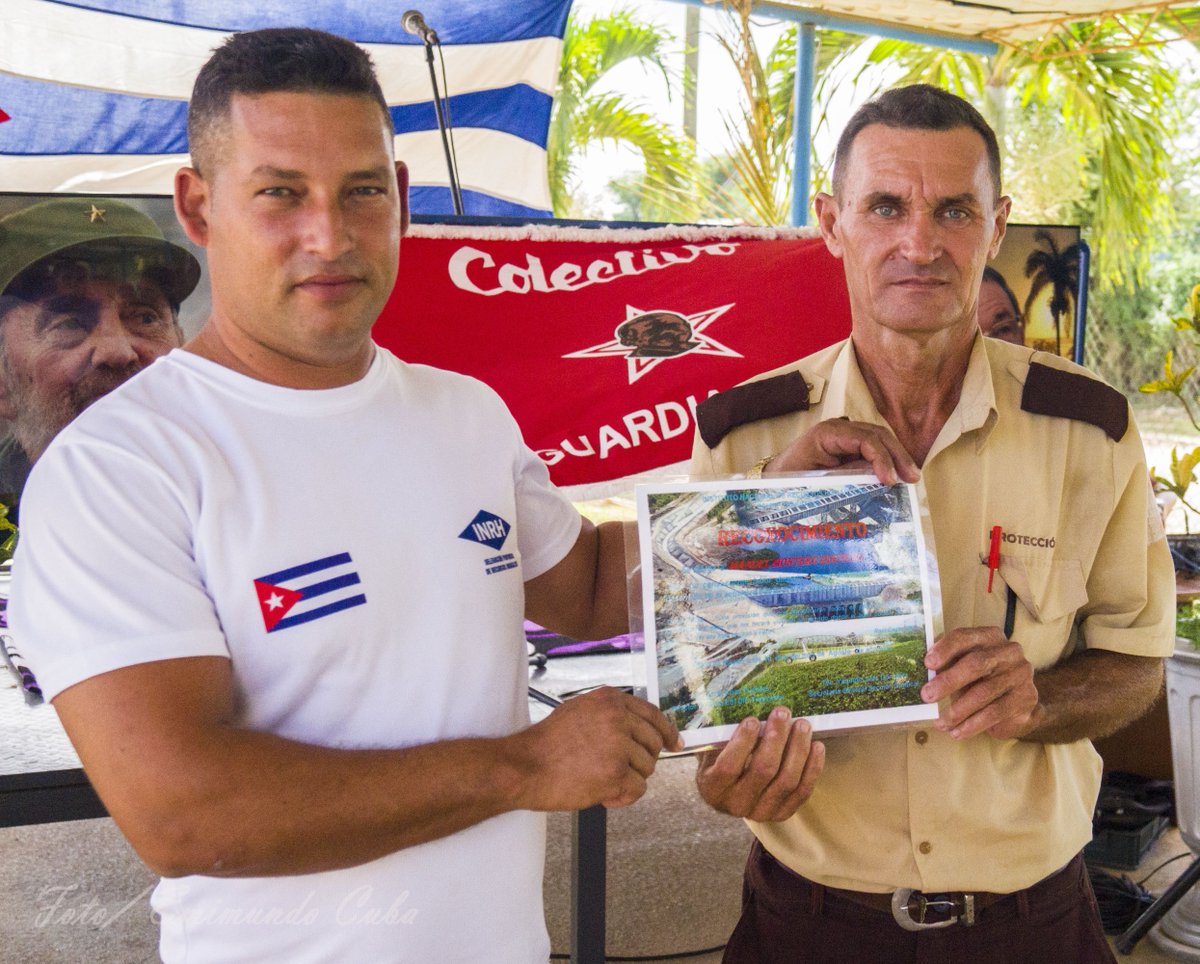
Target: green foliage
(1173, 382)
(1187, 623)
(1183, 474)
(760, 135)
(1178, 384)
(836, 685)
(752, 181)
(1111, 119)
(583, 115)
(1131, 328)
(8, 533)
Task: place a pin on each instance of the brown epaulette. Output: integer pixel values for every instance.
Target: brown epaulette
(1052, 391)
(717, 416)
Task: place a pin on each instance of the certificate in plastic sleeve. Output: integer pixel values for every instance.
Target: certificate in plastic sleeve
(810, 592)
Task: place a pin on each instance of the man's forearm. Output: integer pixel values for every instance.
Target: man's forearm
(197, 794)
(1092, 694)
(253, 804)
(585, 595)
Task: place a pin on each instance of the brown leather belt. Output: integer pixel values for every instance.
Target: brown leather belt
(914, 910)
(883, 902)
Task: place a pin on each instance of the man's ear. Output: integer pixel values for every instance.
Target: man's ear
(192, 195)
(402, 184)
(826, 207)
(999, 225)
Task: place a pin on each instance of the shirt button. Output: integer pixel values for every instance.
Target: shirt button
(925, 846)
(922, 737)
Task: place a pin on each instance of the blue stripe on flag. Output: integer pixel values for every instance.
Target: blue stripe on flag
(56, 119)
(333, 607)
(303, 570)
(436, 200)
(330, 585)
(519, 110)
(456, 21)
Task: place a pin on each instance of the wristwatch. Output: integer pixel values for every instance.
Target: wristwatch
(756, 470)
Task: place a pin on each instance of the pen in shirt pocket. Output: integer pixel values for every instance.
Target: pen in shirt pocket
(1010, 602)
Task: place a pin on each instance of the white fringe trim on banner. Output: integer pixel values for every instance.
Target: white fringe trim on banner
(668, 232)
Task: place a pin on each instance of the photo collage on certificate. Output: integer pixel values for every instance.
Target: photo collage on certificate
(810, 592)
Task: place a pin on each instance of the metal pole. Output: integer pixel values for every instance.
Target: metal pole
(1152, 914)
(589, 839)
(891, 31)
(806, 70)
(691, 69)
(455, 193)
(589, 871)
(1081, 300)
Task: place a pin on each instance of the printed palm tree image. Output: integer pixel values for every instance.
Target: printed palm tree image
(1058, 270)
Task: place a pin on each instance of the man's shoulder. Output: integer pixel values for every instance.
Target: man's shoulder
(1056, 387)
(794, 387)
(439, 385)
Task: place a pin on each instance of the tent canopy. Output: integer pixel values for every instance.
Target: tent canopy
(1006, 22)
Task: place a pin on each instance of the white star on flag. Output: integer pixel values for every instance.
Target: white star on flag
(637, 367)
(275, 601)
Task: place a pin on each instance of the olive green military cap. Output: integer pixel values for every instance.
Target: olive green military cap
(105, 226)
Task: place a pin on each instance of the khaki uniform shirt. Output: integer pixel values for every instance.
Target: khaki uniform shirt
(1085, 555)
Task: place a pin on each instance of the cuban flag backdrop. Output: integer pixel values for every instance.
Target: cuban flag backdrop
(93, 93)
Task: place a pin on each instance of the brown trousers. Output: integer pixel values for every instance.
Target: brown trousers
(788, 919)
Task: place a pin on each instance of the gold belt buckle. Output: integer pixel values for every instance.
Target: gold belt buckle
(904, 898)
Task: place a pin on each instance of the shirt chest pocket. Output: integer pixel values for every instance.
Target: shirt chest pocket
(1049, 592)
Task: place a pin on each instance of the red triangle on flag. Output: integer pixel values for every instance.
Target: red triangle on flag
(3, 116)
(275, 601)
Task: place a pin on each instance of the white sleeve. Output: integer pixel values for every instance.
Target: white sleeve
(104, 576)
(547, 523)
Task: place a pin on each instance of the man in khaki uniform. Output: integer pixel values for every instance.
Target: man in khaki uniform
(983, 814)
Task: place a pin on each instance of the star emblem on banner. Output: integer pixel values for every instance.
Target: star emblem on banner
(646, 339)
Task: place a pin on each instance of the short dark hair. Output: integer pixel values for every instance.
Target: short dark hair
(274, 60)
(921, 107)
(991, 274)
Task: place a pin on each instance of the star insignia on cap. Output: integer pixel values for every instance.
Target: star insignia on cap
(95, 214)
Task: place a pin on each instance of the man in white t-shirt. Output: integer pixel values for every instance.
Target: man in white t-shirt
(275, 584)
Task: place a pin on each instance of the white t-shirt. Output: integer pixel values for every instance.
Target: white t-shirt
(359, 553)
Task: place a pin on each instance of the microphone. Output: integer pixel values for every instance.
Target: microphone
(412, 22)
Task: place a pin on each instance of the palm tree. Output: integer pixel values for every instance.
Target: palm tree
(581, 116)
(1057, 269)
(759, 163)
(1107, 121)
(760, 157)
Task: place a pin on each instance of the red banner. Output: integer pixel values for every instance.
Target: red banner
(602, 342)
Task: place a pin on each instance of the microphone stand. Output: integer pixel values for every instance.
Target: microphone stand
(455, 193)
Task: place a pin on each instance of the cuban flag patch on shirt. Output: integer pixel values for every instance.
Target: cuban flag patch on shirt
(308, 591)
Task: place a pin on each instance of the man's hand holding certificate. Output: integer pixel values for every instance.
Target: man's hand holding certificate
(810, 593)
